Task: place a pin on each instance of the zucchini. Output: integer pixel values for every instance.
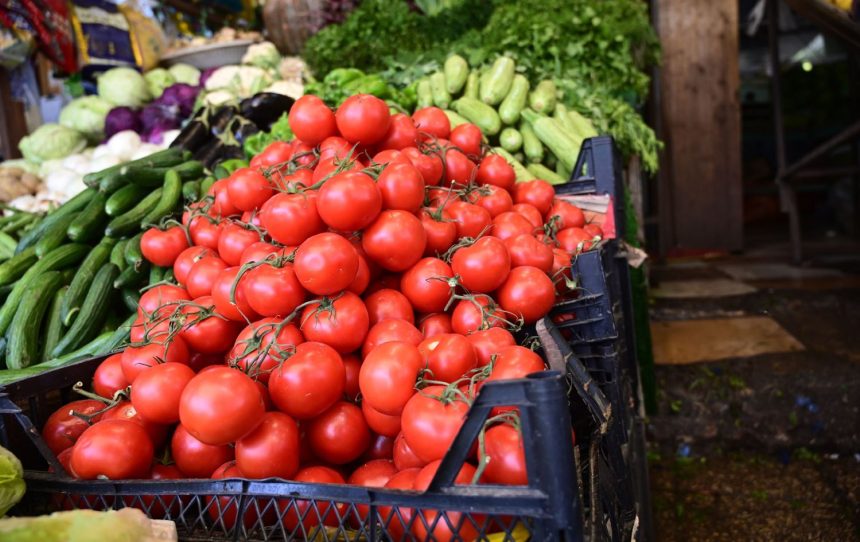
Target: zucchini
(55, 235)
(129, 222)
(454, 118)
(22, 348)
(542, 172)
(111, 183)
(150, 178)
(520, 170)
(89, 223)
(132, 276)
(554, 137)
(472, 83)
(92, 314)
(83, 279)
(191, 191)
(124, 199)
(532, 147)
(560, 116)
(496, 84)
(510, 139)
(133, 254)
(515, 101)
(165, 158)
(424, 95)
(54, 328)
(171, 194)
(456, 71)
(13, 268)
(58, 259)
(543, 98)
(72, 206)
(582, 126)
(439, 90)
(479, 114)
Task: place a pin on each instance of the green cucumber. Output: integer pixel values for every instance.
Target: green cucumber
(424, 94)
(171, 194)
(520, 170)
(133, 254)
(472, 84)
(515, 101)
(156, 274)
(438, 88)
(205, 185)
(89, 223)
(456, 73)
(84, 277)
(92, 314)
(8, 244)
(480, 114)
(124, 199)
(554, 137)
(18, 221)
(532, 147)
(496, 84)
(129, 222)
(117, 254)
(72, 206)
(55, 235)
(510, 139)
(191, 191)
(132, 276)
(22, 349)
(166, 158)
(542, 172)
(131, 298)
(150, 178)
(543, 97)
(111, 183)
(220, 172)
(13, 268)
(54, 328)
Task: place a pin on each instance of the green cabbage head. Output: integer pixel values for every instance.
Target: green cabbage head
(123, 86)
(86, 115)
(50, 141)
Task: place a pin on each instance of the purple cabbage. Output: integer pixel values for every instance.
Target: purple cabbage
(159, 118)
(180, 95)
(204, 75)
(155, 134)
(122, 118)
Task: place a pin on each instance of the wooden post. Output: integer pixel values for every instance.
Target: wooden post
(13, 123)
(700, 119)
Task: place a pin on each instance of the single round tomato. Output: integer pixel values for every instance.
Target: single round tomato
(205, 330)
(389, 331)
(525, 249)
(276, 152)
(430, 423)
(472, 220)
(482, 266)
(488, 342)
(299, 179)
(349, 201)
(311, 120)
(397, 519)
(566, 215)
(530, 212)
(495, 170)
(262, 250)
(375, 473)
(108, 378)
(448, 357)
(403, 456)
(492, 198)
(156, 392)
(390, 156)
(468, 138)
(528, 293)
(431, 123)
(515, 362)
(506, 454)
(223, 205)
(510, 224)
(162, 247)
(362, 277)
(203, 274)
(124, 410)
(308, 382)
(248, 189)
(161, 300)
(425, 285)
(336, 148)
(480, 312)
(205, 231)
(401, 133)
(262, 345)
(231, 300)
(234, 240)
(274, 290)
(440, 229)
(341, 322)
(387, 376)
(380, 448)
(538, 192)
(301, 515)
(435, 324)
(145, 329)
(437, 528)
(402, 187)
(186, 260)
(574, 240)
(326, 264)
(221, 405)
(387, 304)
(351, 367)
(63, 428)
(225, 511)
(363, 119)
(458, 167)
(395, 241)
(291, 218)
(593, 230)
(115, 449)
(194, 458)
(430, 165)
(339, 435)
(136, 359)
(380, 423)
(271, 450)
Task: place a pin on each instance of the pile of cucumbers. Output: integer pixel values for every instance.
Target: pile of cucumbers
(536, 133)
(71, 288)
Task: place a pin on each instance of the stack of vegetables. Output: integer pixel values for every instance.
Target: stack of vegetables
(355, 280)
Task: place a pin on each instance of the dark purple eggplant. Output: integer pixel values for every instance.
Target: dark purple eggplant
(264, 108)
(193, 136)
(220, 120)
(211, 146)
(244, 130)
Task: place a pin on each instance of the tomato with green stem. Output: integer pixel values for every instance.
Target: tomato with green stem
(307, 383)
(204, 329)
(231, 300)
(63, 428)
(427, 284)
(136, 359)
(395, 240)
(483, 265)
(471, 220)
(475, 313)
(262, 345)
(108, 377)
(162, 247)
(430, 165)
(340, 322)
(234, 239)
(326, 264)
(156, 392)
(273, 289)
(439, 229)
(389, 331)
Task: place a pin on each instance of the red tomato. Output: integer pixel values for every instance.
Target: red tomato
(448, 357)
(136, 359)
(271, 450)
(495, 170)
(438, 528)
(165, 504)
(395, 241)
(248, 189)
(186, 259)
(510, 224)
(528, 293)
(221, 405)
(108, 378)
(349, 201)
(226, 510)
(162, 247)
(492, 198)
(205, 231)
(223, 206)
(374, 473)
(488, 342)
(234, 240)
(341, 323)
(380, 448)
(308, 382)
(515, 362)
(432, 122)
(425, 285)
(388, 331)
(194, 458)
(574, 240)
(537, 192)
(435, 324)
(458, 167)
(530, 212)
(311, 120)
(261, 345)
(336, 148)
(526, 250)
(291, 218)
(116, 449)
(143, 329)
(390, 156)
(205, 330)
(310, 514)
(430, 165)
(397, 519)
(326, 264)
(351, 366)
(402, 187)
(567, 215)
(507, 458)
(363, 119)
(387, 376)
(63, 429)
(273, 290)
(275, 153)
(472, 220)
(388, 304)
(440, 229)
(593, 230)
(401, 133)
(203, 274)
(298, 179)
(479, 313)
(403, 456)
(198, 361)
(161, 300)
(362, 276)
(339, 435)
(261, 250)
(467, 138)
(124, 410)
(430, 423)
(383, 424)
(230, 297)
(155, 394)
(483, 266)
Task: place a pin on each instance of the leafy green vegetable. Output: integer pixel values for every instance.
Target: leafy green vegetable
(11, 481)
(50, 141)
(279, 131)
(87, 115)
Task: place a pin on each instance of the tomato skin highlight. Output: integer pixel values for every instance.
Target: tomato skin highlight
(108, 377)
(363, 119)
(117, 449)
(309, 382)
(155, 394)
(62, 429)
(395, 241)
(424, 284)
(429, 424)
(271, 450)
(341, 323)
(349, 201)
(387, 376)
(161, 248)
(339, 435)
(311, 120)
(326, 264)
